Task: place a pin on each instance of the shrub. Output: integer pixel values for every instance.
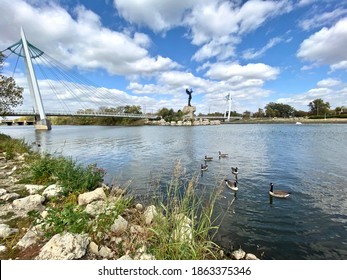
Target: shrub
(71, 176)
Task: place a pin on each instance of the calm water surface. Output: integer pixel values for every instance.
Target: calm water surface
(308, 160)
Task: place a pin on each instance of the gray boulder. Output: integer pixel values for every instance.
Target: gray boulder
(65, 247)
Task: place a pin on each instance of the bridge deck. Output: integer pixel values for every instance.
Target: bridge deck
(70, 114)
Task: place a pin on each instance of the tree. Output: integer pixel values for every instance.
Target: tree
(319, 107)
(259, 114)
(10, 94)
(279, 110)
(133, 109)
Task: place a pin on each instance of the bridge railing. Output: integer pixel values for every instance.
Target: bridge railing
(83, 114)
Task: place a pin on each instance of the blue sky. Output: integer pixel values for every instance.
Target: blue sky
(147, 52)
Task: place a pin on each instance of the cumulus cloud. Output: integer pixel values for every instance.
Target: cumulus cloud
(225, 71)
(327, 83)
(215, 26)
(80, 40)
(158, 15)
(326, 46)
(336, 97)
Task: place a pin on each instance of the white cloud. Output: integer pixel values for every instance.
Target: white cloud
(342, 65)
(80, 40)
(215, 26)
(327, 83)
(223, 48)
(327, 46)
(336, 97)
(158, 15)
(225, 71)
(251, 54)
(323, 19)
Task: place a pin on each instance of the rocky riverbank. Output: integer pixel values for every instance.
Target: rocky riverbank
(39, 222)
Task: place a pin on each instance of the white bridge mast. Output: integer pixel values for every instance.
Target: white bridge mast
(42, 123)
(228, 97)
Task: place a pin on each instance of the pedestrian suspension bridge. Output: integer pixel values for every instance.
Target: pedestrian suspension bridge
(62, 87)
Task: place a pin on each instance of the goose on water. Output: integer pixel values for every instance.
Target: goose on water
(208, 158)
(231, 185)
(222, 155)
(204, 167)
(234, 170)
(278, 193)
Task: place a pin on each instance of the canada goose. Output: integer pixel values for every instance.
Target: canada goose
(204, 167)
(231, 185)
(278, 193)
(234, 170)
(222, 155)
(208, 158)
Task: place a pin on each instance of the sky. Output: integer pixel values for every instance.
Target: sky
(147, 52)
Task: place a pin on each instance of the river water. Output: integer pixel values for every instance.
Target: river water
(308, 160)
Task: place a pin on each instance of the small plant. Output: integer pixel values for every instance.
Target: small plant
(71, 218)
(105, 220)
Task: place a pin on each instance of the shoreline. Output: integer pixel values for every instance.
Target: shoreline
(290, 121)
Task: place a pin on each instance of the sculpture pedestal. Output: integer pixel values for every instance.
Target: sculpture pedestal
(188, 112)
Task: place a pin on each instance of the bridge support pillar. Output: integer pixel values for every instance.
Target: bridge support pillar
(41, 122)
(44, 124)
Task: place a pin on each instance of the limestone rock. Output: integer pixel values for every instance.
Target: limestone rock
(250, 256)
(52, 191)
(238, 254)
(29, 238)
(139, 207)
(105, 252)
(28, 203)
(9, 197)
(95, 208)
(65, 247)
(3, 249)
(34, 189)
(93, 248)
(125, 258)
(149, 214)
(6, 231)
(146, 257)
(119, 226)
(88, 197)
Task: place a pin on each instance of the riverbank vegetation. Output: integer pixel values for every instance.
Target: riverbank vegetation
(182, 224)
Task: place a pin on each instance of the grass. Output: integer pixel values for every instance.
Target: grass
(184, 225)
(71, 176)
(11, 147)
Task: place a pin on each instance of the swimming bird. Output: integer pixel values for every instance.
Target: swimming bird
(208, 158)
(222, 155)
(231, 185)
(204, 167)
(278, 193)
(234, 170)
